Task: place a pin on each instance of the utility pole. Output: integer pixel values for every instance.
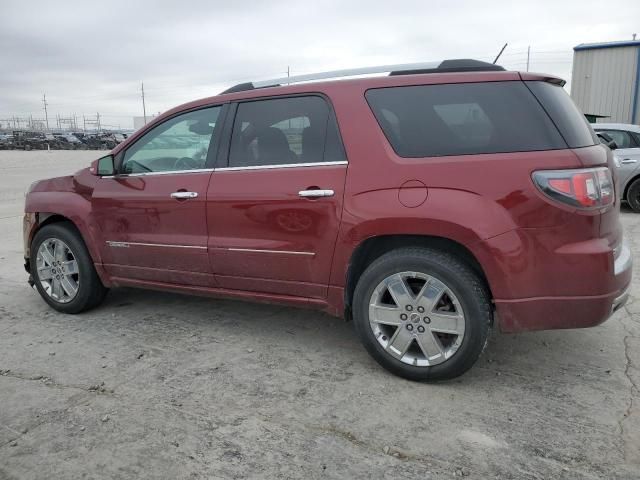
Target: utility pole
(288, 73)
(528, 56)
(144, 108)
(46, 115)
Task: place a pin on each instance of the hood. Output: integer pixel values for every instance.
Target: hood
(81, 182)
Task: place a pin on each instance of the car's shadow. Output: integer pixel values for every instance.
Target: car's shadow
(530, 357)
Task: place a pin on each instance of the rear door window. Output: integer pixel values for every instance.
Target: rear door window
(284, 131)
(465, 118)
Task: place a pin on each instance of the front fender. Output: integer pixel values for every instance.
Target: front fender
(71, 205)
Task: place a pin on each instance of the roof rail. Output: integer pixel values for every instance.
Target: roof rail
(445, 66)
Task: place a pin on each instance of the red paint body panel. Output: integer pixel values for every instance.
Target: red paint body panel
(139, 211)
(261, 210)
(547, 265)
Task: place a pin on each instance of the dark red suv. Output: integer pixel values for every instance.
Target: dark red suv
(426, 205)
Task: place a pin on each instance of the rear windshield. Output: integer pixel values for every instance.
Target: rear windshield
(463, 118)
(568, 118)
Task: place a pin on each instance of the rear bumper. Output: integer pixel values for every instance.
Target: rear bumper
(547, 313)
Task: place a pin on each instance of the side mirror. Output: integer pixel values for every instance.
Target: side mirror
(612, 145)
(103, 166)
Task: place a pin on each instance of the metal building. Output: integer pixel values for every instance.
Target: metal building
(605, 82)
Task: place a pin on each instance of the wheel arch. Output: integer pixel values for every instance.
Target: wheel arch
(630, 182)
(47, 218)
(372, 248)
(42, 219)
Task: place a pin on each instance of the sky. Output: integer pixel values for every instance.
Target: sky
(90, 57)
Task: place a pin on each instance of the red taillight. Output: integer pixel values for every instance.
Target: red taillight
(583, 188)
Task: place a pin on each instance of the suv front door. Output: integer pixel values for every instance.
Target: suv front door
(274, 211)
(152, 212)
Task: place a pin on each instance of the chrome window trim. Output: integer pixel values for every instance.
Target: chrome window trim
(259, 250)
(283, 165)
(228, 169)
(164, 172)
(138, 244)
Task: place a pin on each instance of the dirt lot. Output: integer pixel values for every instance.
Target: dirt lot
(154, 385)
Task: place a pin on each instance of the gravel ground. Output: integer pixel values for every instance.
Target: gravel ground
(155, 385)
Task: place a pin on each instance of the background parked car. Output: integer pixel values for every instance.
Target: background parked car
(627, 143)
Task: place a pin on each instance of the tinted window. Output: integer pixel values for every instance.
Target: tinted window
(284, 131)
(622, 139)
(570, 121)
(180, 143)
(459, 119)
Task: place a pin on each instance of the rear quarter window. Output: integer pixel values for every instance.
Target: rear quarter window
(572, 124)
(463, 118)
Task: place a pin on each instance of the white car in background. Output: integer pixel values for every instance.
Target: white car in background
(627, 138)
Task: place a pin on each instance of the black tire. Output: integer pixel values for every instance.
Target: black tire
(463, 282)
(90, 292)
(633, 195)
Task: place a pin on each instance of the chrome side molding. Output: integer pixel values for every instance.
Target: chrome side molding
(258, 250)
(138, 244)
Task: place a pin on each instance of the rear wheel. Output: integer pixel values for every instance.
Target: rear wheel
(633, 195)
(422, 314)
(63, 271)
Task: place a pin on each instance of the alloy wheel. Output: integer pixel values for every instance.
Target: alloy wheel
(416, 318)
(57, 270)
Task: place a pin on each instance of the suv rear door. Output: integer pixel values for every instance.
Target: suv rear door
(274, 207)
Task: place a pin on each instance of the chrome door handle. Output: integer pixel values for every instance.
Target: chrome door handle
(316, 193)
(184, 195)
(628, 160)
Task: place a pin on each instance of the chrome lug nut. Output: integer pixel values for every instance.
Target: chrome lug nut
(409, 308)
(403, 316)
(421, 309)
(409, 327)
(421, 329)
(427, 320)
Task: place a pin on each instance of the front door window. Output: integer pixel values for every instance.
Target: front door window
(180, 143)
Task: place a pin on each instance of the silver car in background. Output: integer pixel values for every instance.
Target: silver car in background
(627, 139)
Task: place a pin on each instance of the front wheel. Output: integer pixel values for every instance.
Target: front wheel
(422, 314)
(63, 271)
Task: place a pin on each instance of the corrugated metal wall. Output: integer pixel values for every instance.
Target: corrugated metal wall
(603, 82)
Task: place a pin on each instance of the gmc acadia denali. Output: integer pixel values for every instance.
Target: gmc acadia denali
(427, 205)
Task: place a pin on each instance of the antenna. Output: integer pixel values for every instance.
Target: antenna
(503, 47)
